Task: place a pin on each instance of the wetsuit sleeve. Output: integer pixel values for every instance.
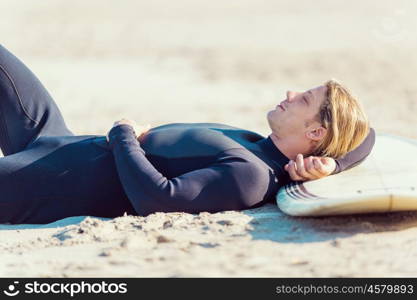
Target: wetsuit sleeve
(229, 184)
(356, 156)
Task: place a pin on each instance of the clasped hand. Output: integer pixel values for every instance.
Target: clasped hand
(139, 130)
(310, 168)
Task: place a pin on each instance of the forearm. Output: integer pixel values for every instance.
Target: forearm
(141, 181)
(357, 155)
(149, 190)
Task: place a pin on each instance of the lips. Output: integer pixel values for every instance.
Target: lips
(281, 106)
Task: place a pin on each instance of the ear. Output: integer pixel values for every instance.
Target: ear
(317, 134)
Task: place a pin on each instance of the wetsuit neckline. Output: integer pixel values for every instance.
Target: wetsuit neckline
(269, 148)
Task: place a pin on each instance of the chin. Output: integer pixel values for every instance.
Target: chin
(270, 114)
(270, 119)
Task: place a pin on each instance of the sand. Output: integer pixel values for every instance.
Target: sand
(196, 61)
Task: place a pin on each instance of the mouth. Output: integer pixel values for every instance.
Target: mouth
(281, 106)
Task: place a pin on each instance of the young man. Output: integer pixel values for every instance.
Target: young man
(49, 174)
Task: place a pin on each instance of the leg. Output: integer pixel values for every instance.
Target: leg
(27, 111)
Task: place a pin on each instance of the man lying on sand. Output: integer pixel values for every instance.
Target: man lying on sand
(48, 173)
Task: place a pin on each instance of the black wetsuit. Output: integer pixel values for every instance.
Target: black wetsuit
(48, 173)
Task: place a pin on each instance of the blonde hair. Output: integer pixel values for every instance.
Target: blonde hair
(345, 120)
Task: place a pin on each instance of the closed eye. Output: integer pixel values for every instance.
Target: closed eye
(305, 99)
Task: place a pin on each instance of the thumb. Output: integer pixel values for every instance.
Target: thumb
(325, 160)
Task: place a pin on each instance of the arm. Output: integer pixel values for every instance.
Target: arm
(226, 185)
(312, 167)
(356, 156)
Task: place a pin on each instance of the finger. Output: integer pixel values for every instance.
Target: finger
(293, 172)
(325, 161)
(119, 122)
(329, 164)
(310, 168)
(300, 168)
(319, 166)
(308, 164)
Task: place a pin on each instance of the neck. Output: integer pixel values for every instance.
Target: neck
(290, 146)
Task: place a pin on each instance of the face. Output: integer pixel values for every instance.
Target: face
(296, 114)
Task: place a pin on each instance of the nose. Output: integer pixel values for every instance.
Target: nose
(291, 95)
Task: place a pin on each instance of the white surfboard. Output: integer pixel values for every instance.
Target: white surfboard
(385, 182)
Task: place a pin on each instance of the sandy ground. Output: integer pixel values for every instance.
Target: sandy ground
(208, 61)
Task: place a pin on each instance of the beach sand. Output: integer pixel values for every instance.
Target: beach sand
(196, 61)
